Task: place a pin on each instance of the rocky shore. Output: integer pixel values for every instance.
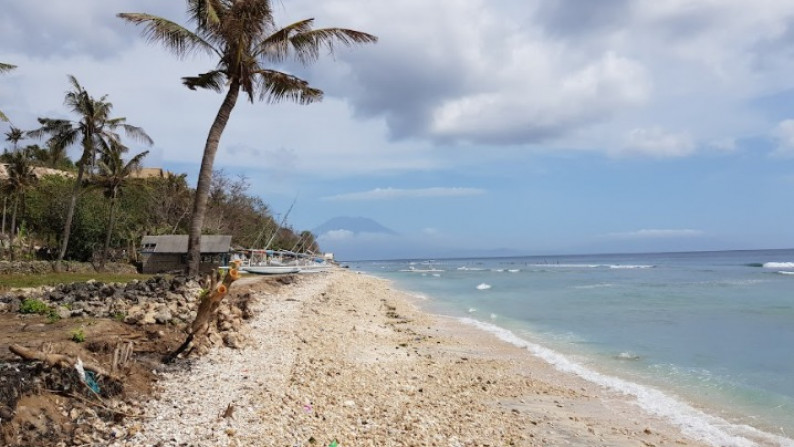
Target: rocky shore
(347, 358)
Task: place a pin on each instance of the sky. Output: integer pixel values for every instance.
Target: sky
(473, 127)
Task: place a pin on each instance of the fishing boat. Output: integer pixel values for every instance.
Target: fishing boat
(263, 262)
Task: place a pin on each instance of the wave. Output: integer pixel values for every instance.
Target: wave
(692, 422)
(595, 266)
(514, 270)
(778, 265)
(594, 286)
(470, 269)
(627, 356)
(483, 286)
(785, 273)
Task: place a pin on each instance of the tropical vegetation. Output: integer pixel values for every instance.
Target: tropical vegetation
(242, 35)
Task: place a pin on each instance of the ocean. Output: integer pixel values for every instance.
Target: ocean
(704, 339)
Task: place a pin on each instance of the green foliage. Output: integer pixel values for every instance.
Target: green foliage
(119, 316)
(78, 335)
(32, 306)
(52, 279)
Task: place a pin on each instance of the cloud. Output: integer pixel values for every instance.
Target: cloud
(336, 236)
(397, 193)
(656, 142)
(784, 134)
(655, 234)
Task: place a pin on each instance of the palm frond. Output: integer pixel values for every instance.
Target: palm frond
(213, 80)
(277, 45)
(205, 13)
(307, 45)
(137, 134)
(6, 67)
(173, 36)
(274, 86)
(3, 117)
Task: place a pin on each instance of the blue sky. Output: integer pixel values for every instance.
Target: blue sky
(535, 126)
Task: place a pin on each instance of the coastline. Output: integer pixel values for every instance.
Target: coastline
(348, 357)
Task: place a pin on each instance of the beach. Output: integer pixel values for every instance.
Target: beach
(347, 357)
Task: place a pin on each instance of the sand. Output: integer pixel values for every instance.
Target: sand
(348, 357)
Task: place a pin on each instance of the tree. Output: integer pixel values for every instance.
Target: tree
(20, 178)
(112, 176)
(4, 68)
(95, 129)
(14, 135)
(243, 36)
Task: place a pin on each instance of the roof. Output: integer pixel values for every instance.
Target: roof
(177, 243)
(149, 173)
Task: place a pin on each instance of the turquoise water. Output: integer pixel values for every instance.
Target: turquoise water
(704, 339)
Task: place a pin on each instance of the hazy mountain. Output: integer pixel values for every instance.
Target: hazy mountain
(355, 225)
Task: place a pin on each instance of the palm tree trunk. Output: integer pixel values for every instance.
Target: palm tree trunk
(13, 225)
(67, 228)
(111, 222)
(205, 177)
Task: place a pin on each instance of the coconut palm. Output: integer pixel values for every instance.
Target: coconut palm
(20, 178)
(94, 129)
(248, 45)
(14, 135)
(112, 175)
(4, 68)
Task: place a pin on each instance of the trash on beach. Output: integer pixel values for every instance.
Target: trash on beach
(483, 286)
(333, 444)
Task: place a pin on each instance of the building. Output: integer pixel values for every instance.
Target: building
(160, 254)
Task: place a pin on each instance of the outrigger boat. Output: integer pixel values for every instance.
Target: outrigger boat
(277, 262)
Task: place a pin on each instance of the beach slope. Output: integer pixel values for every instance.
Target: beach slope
(348, 357)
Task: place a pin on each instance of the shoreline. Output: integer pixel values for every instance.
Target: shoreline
(349, 357)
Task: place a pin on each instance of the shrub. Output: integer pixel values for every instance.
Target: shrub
(30, 306)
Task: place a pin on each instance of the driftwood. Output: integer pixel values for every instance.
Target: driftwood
(208, 305)
(58, 360)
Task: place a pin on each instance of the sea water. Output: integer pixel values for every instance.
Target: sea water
(703, 339)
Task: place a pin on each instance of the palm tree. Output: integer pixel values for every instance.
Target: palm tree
(4, 68)
(14, 135)
(243, 36)
(20, 178)
(112, 176)
(94, 130)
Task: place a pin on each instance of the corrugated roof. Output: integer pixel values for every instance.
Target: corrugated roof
(177, 243)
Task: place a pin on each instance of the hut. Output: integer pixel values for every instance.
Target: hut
(160, 254)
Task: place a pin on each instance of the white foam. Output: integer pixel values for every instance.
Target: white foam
(595, 286)
(483, 286)
(786, 273)
(472, 310)
(778, 265)
(692, 422)
(630, 266)
(514, 270)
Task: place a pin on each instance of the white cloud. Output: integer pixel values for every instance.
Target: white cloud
(655, 234)
(397, 193)
(336, 236)
(784, 134)
(656, 142)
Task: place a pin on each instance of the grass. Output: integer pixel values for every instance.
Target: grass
(51, 279)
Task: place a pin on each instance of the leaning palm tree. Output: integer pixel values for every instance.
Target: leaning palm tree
(4, 68)
(248, 45)
(94, 129)
(112, 175)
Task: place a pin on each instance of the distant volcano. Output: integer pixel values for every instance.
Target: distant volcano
(355, 225)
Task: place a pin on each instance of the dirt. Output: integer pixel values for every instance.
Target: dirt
(43, 405)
